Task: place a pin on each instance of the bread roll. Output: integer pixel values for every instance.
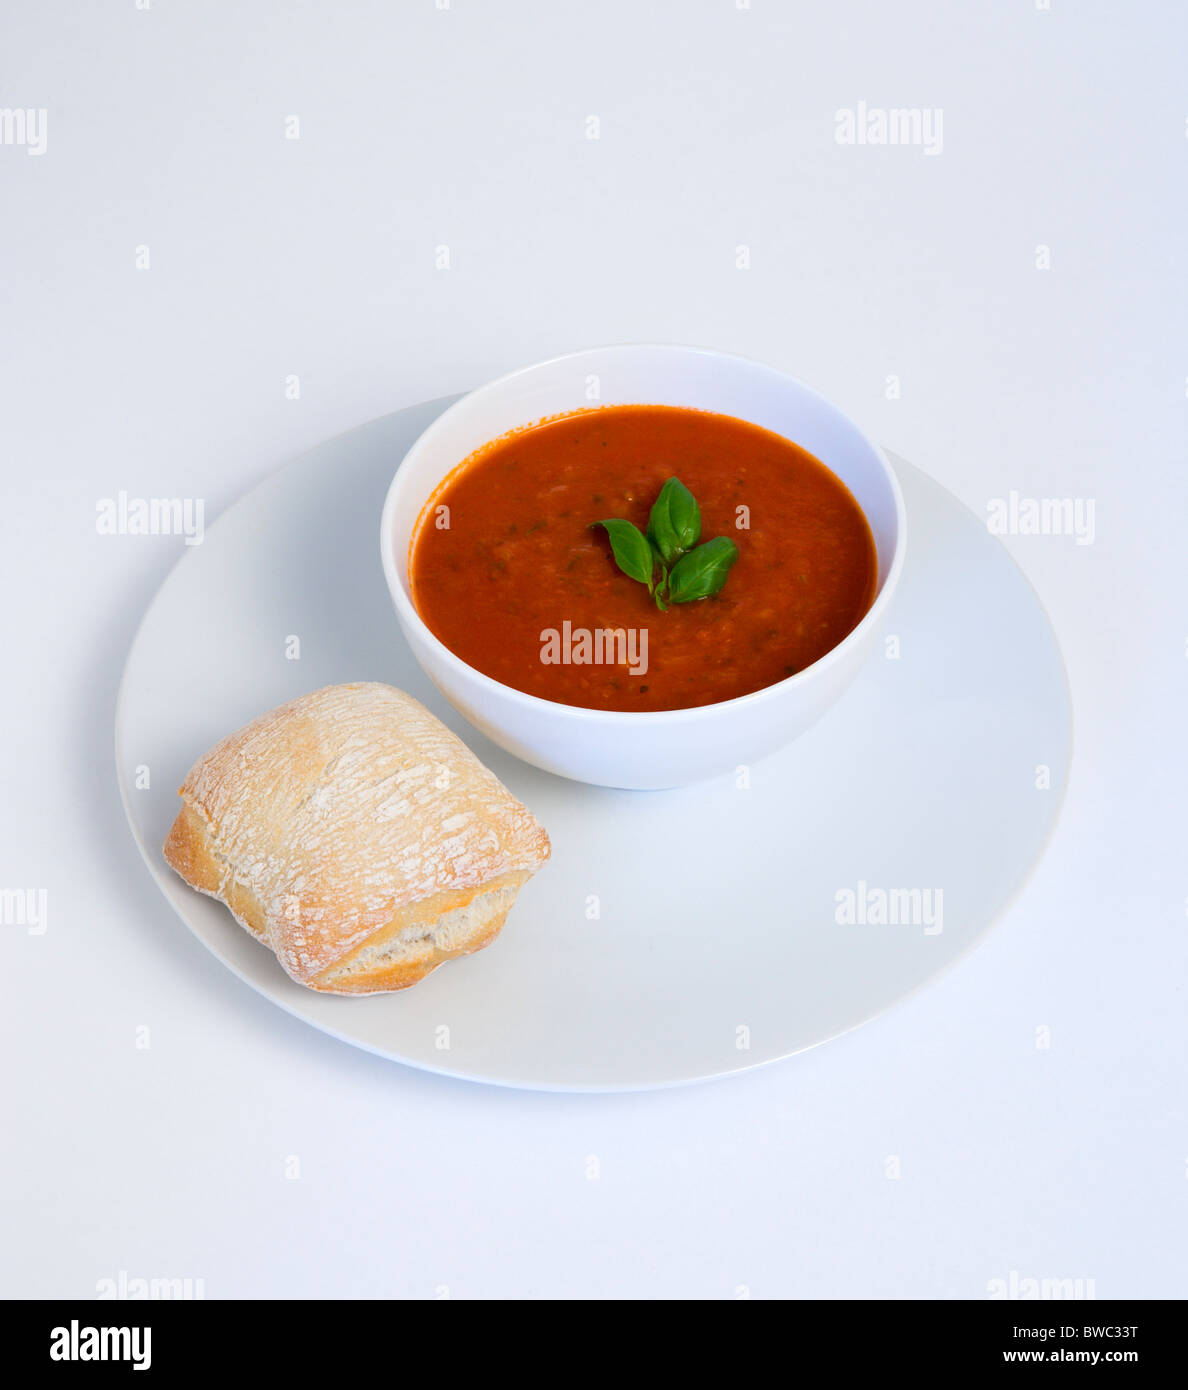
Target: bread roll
(357, 837)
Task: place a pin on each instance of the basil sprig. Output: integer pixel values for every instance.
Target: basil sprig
(668, 559)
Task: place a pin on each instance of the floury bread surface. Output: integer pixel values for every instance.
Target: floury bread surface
(356, 836)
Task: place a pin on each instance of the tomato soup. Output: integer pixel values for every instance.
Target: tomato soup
(507, 571)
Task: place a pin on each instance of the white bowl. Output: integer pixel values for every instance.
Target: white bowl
(652, 749)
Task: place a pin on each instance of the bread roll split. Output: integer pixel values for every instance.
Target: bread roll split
(357, 837)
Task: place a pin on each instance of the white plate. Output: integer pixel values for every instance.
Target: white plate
(716, 946)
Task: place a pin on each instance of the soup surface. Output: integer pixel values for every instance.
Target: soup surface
(506, 571)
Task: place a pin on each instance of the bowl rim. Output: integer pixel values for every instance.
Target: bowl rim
(406, 610)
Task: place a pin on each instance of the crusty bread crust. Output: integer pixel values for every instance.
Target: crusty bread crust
(352, 833)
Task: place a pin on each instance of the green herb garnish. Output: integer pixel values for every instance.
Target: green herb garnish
(674, 525)
(668, 559)
(633, 554)
(701, 572)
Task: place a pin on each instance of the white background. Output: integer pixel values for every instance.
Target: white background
(316, 257)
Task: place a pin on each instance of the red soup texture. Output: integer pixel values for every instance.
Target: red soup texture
(507, 572)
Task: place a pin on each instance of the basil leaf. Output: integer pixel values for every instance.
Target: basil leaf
(702, 572)
(674, 525)
(633, 554)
